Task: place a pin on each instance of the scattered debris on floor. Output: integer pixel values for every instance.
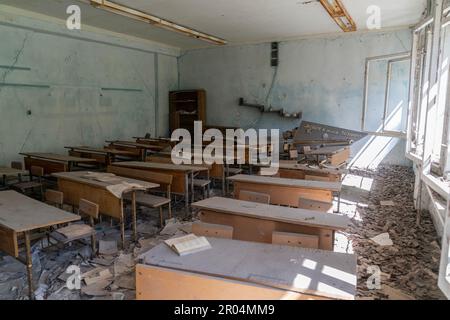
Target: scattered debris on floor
(384, 234)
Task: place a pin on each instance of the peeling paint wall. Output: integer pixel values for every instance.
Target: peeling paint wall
(322, 77)
(61, 87)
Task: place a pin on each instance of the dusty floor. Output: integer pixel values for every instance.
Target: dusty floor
(408, 267)
(411, 264)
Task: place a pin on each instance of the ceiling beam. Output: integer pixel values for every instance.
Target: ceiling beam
(339, 14)
(155, 21)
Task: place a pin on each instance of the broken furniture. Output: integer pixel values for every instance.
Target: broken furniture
(239, 270)
(253, 221)
(146, 199)
(19, 217)
(106, 191)
(186, 107)
(334, 155)
(286, 191)
(32, 185)
(104, 156)
(53, 162)
(183, 175)
(316, 134)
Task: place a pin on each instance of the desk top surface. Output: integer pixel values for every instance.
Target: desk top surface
(56, 157)
(293, 165)
(317, 272)
(86, 177)
(295, 183)
(21, 213)
(161, 166)
(326, 150)
(5, 171)
(102, 150)
(137, 145)
(274, 213)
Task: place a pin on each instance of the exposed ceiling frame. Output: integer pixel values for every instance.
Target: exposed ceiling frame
(339, 14)
(155, 21)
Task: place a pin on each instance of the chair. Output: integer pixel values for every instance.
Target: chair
(54, 198)
(17, 165)
(23, 187)
(254, 197)
(203, 185)
(77, 231)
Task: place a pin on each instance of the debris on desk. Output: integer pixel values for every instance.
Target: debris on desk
(387, 203)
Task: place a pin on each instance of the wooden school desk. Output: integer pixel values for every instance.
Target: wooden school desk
(19, 216)
(182, 175)
(256, 222)
(53, 162)
(242, 270)
(76, 186)
(286, 191)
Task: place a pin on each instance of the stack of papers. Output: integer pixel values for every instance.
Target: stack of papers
(188, 244)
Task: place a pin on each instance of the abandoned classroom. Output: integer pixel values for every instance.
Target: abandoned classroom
(215, 150)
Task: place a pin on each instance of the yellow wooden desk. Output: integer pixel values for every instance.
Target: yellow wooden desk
(242, 270)
(52, 162)
(256, 222)
(182, 174)
(286, 191)
(19, 216)
(76, 186)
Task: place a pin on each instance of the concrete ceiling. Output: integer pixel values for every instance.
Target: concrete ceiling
(237, 21)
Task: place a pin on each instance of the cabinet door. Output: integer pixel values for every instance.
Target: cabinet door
(444, 272)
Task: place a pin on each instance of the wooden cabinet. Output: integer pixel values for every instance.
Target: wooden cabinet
(186, 107)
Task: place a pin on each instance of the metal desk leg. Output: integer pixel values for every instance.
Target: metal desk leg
(192, 187)
(209, 184)
(134, 214)
(224, 175)
(29, 264)
(186, 193)
(226, 181)
(339, 202)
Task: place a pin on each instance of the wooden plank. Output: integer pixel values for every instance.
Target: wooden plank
(295, 239)
(317, 178)
(306, 271)
(8, 242)
(21, 213)
(273, 213)
(154, 283)
(212, 230)
(340, 157)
